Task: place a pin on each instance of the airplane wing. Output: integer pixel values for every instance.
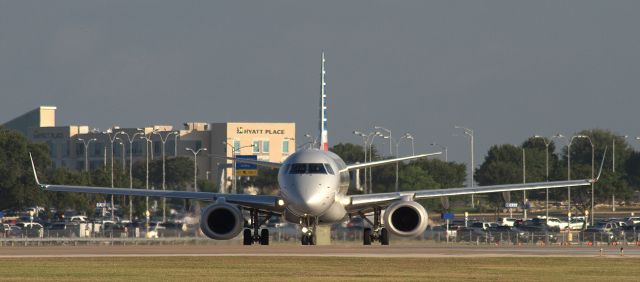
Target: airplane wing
(249, 161)
(359, 202)
(263, 202)
(382, 162)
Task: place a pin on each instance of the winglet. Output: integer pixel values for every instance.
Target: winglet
(601, 165)
(35, 174)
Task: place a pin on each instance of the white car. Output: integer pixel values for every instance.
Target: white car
(557, 223)
(506, 221)
(633, 220)
(578, 223)
(79, 218)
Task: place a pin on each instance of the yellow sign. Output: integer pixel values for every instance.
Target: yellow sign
(247, 172)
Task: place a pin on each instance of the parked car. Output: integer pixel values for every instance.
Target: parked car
(555, 222)
(631, 233)
(474, 234)
(506, 221)
(578, 223)
(601, 232)
(633, 220)
(31, 229)
(508, 234)
(540, 233)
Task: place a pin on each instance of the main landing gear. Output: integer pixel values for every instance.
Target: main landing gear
(308, 230)
(378, 233)
(262, 237)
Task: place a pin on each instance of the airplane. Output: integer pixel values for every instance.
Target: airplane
(313, 186)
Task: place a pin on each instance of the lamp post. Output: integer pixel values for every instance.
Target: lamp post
(146, 156)
(131, 138)
(592, 215)
(86, 151)
(469, 133)
(164, 187)
(365, 139)
(524, 180)
(389, 132)
(408, 136)
(446, 157)
(547, 142)
(613, 168)
(391, 140)
(373, 137)
(111, 138)
(195, 166)
(233, 169)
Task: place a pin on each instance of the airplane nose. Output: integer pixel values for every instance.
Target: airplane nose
(310, 199)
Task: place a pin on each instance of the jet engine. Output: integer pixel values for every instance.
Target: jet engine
(405, 218)
(221, 221)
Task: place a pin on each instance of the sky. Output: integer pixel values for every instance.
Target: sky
(506, 69)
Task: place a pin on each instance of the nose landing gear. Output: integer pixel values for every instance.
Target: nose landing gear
(308, 230)
(378, 233)
(263, 236)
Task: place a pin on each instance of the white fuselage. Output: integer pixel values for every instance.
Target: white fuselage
(312, 185)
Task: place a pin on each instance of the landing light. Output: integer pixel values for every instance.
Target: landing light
(304, 230)
(280, 202)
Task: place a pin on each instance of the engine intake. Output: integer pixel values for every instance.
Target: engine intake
(221, 221)
(406, 218)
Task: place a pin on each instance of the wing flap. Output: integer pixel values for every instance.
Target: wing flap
(383, 162)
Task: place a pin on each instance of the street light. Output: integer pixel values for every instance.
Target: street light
(592, 215)
(446, 157)
(111, 138)
(613, 167)
(469, 133)
(233, 163)
(164, 187)
(146, 156)
(547, 142)
(195, 166)
(408, 136)
(86, 149)
(388, 131)
(396, 142)
(373, 137)
(131, 138)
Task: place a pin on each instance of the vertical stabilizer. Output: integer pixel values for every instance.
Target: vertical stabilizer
(324, 141)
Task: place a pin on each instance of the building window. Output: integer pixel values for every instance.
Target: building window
(285, 146)
(236, 145)
(256, 147)
(265, 146)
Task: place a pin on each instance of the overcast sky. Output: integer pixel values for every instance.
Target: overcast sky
(507, 69)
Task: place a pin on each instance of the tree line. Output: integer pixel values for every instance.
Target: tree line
(502, 165)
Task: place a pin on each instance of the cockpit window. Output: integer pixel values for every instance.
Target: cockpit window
(329, 169)
(298, 169)
(317, 168)
(309, 168)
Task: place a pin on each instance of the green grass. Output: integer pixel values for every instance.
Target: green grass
(318, 269)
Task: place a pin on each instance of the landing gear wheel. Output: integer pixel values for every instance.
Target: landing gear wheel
(384, 237)
(366, 236)
(264, 237)
(305, 240)
(312, 239)
(246, 237)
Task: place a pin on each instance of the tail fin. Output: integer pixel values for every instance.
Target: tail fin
(324, 140)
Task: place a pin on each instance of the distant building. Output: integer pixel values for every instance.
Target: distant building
(268, 141)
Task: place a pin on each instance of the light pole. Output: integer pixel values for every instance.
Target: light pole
(131, 138)
(391, 140)
(365, 139)
(111, 138)
(410, 137)
(86, 151)
(592, 215)
(547, 142)
(146, 156)
(524, 180)
(389, 132)
(613, 167)
(373, 137)
(469, 133)
(446, 157)
(164, 187)
(195, 166)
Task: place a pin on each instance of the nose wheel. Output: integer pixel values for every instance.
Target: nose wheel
(377, 233)
(308, 231)
(258, 236)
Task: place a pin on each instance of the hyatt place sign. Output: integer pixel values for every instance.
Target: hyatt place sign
(241, 130)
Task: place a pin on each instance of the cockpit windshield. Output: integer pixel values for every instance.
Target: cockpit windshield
(312, 168)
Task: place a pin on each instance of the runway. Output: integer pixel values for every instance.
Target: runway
(399, 251)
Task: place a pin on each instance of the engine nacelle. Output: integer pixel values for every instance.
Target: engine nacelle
(221, 221)
(406, 218)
